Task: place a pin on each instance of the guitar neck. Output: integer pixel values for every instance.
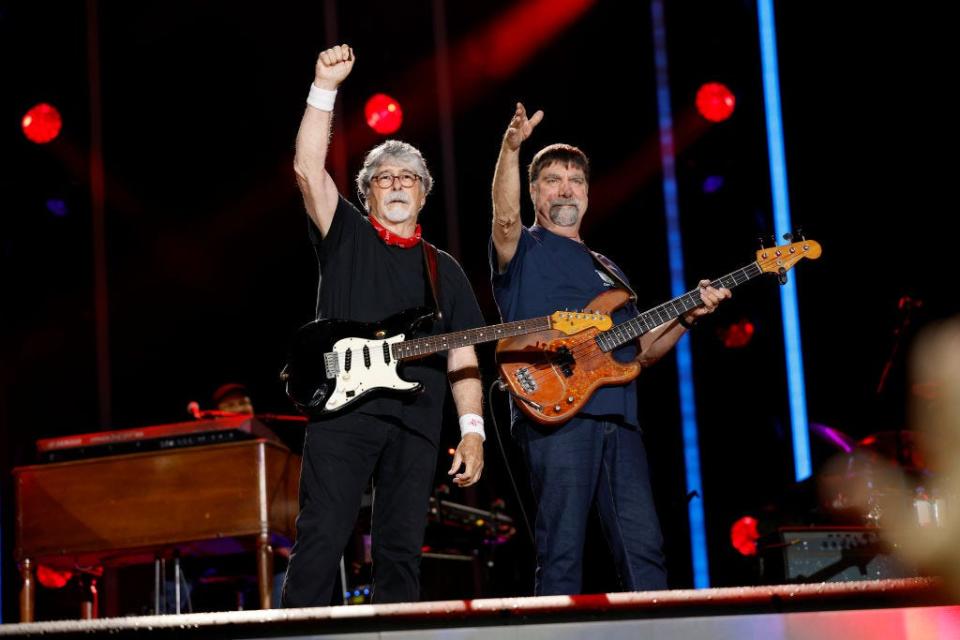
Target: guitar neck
(432, 344)
(653, 318)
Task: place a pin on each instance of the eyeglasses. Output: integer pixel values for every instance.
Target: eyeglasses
(385, 180)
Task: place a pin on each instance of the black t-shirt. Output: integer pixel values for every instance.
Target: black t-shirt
(366, 280)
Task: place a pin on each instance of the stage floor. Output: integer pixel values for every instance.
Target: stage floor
(880, 609)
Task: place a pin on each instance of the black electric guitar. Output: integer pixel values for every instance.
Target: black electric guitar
(334, 363)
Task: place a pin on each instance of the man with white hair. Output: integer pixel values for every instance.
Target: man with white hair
(373, 267)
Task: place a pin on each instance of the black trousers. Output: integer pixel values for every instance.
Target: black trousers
(339, 457)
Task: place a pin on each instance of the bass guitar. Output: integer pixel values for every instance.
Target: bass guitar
(551, 375)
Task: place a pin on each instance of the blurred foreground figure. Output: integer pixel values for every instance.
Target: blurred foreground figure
(935, 366)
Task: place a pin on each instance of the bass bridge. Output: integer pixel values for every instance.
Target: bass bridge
(525, 379)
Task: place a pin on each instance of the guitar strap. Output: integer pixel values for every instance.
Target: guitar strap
(610, 269)
(432, 271)
(318, 311)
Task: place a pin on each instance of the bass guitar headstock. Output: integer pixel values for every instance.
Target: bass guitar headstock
(779, 260)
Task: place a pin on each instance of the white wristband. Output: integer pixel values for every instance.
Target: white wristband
(321, 98)
(472, 423)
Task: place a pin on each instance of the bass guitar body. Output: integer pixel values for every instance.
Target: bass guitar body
(552, 375)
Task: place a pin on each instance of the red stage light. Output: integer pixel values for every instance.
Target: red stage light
(715, 101)
(383, 113)
(738, 334)
(744, 535)
(42, 123)
(53, 578)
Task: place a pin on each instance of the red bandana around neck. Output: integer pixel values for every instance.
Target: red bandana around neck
(392, 238)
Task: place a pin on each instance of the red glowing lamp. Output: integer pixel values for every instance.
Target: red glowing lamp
(42, 123)
(53, 578)
(744, 535)
(383, 114)
(715, 101)
(738, 334)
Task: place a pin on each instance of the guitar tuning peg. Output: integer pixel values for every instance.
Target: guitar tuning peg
(760, 240)
(782, 276)
(773, 239)
(788, 237)
(799, 232)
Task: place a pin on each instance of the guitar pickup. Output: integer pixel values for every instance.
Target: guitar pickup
(565, 360)
(331, 365)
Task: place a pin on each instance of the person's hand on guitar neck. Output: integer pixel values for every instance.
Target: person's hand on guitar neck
(711, 298)
(655, 344)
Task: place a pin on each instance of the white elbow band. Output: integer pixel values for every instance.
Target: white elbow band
(322, 99)
(472, 423)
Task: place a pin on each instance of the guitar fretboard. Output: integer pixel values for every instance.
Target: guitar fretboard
(653, 318)
(432, 344)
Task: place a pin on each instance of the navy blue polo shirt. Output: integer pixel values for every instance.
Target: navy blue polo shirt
(550, 273)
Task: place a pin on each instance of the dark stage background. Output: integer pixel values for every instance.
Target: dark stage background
(209, 269)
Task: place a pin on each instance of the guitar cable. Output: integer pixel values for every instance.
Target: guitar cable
(499, 384)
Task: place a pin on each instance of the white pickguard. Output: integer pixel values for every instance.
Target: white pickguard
(351, 384)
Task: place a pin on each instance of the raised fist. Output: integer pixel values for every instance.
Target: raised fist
(333, 66)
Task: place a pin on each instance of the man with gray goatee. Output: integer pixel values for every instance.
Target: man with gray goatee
(598, 457)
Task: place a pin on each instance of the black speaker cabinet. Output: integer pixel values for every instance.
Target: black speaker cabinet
(821, 554)
(448, 576)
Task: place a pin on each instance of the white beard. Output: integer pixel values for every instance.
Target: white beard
(564, 215)
(397, 213)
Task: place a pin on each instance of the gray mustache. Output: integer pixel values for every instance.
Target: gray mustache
(565, 202)
(398, 197)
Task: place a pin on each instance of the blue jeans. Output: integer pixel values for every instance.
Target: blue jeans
(583, 462)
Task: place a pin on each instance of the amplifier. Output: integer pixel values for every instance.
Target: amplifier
(450, 576)
(823, 554)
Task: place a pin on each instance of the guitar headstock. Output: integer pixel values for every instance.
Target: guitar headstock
(779, 260)
(571, 322)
